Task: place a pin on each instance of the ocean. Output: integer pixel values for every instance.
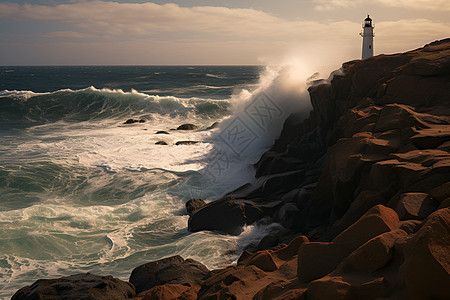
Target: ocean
(80, 191)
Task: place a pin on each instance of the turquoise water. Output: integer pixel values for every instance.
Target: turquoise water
(80, 191)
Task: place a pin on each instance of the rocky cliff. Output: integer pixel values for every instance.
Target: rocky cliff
(363, 185)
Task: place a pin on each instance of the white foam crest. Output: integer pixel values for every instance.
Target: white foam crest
(217, 76)
(253, 234)
(20, 95)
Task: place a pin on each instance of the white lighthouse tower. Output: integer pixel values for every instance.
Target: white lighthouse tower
(367, 35)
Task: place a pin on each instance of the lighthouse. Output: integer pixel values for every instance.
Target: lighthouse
(367, 35)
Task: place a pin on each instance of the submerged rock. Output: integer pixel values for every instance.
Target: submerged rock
(187, 127)
(132, 121)
(186, 143)
(80, 286)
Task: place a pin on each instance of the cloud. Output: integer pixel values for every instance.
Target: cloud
(170, 33)
(169, 21)
(430, 5)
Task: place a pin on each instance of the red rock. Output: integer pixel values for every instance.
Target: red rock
(441, 192)
(263, 260)
(432, 138)
(281, 290)
(365, 200)
(377, 220)
(445, 203)
(291, 249)
(345, 287)
(426, 270)
(169, 292)
(234, 283)
(415, 206)
(410, 226)
(375, 289)
(330, 288)
(317, 259)
(374, 254)
(398, 116)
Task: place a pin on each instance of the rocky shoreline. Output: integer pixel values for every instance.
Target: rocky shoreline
(362, 187)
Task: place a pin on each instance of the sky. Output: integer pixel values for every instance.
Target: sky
(211, 32)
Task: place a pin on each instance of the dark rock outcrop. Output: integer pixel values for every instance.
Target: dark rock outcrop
(226, 215)
(161, 132)
(132, 121)
(80, 286)
(160, 143)
(173, 270)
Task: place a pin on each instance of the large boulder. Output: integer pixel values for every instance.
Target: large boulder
(173, 270)
(226, 215)
(375, 221)
(317, 259)
(426, 270)
(80, 286)
(374, 254)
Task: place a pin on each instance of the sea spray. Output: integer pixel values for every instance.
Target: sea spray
(256, 121)
(81, 191)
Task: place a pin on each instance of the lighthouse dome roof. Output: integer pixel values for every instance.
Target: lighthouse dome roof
(368, 18)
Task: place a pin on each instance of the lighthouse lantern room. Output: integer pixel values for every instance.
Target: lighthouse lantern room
(367, 35)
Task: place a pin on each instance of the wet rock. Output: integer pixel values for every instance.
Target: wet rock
(132, 121)
(415, 206)
(80, 286)
(173, 270)
(194, 204)
(162, 132)
(267, 242)
(187, 127)
(186, 143)
(160, 143)
(226, 215)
